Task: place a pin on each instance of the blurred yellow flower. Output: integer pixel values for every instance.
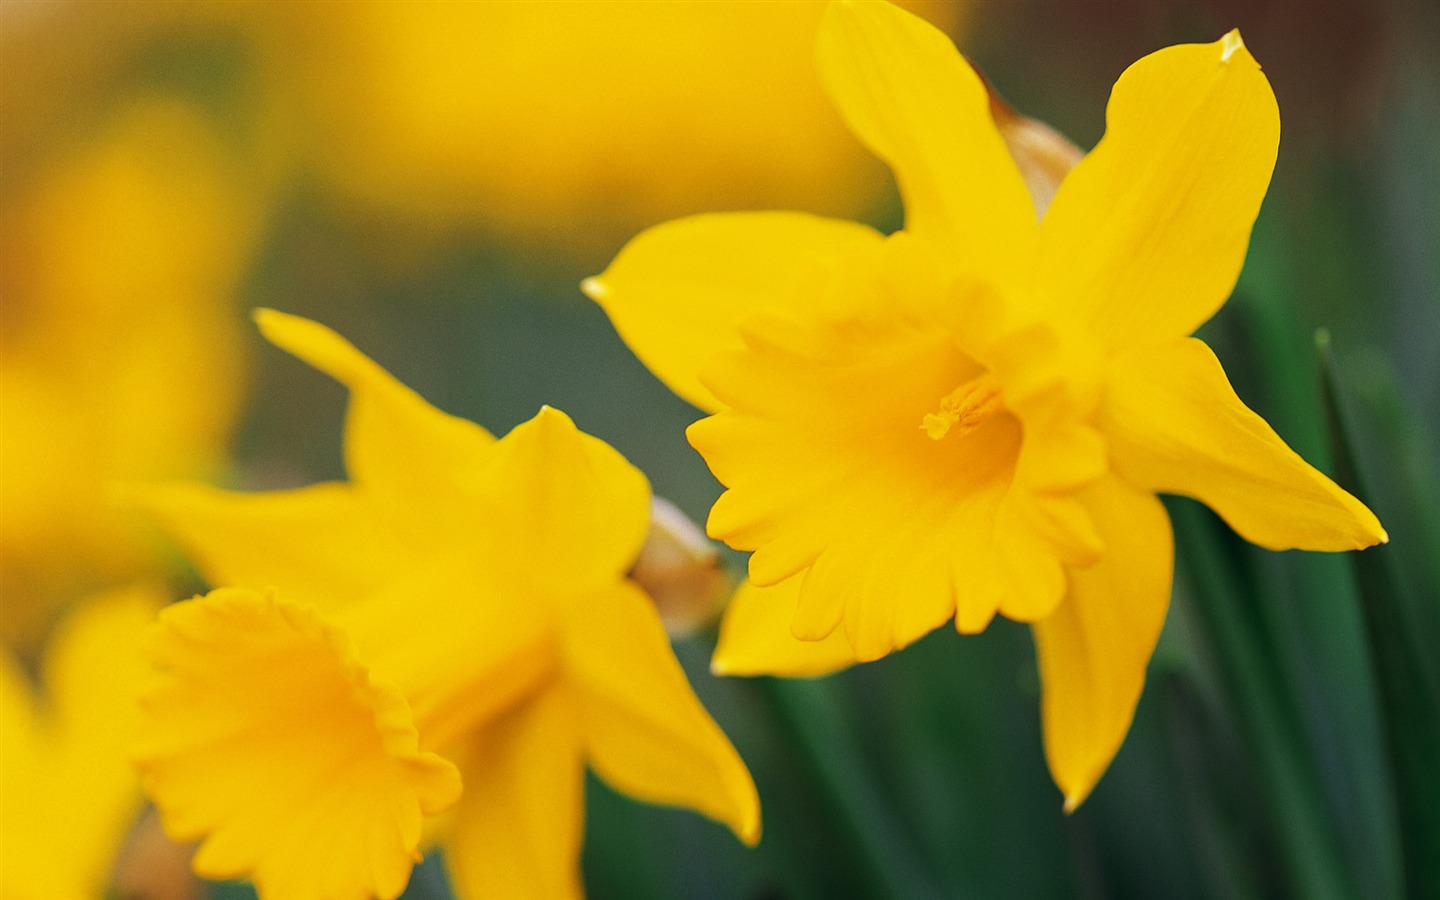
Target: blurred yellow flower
(119, 354)
(564, 125)
(575, 122)
(974, 414)
(458, 610)
(68, 795)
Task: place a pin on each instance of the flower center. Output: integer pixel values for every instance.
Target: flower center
(965, 408)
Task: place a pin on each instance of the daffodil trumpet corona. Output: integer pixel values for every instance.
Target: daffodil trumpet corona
(974, 415)
(452, 631)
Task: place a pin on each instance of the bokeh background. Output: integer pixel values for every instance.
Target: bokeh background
(433, 180)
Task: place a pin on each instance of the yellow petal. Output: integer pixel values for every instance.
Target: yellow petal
(644, 729)
(267, 739)
(1146, 236)
(327, 545)
(907, 93)
(678, 292)
(1177, 427)
(561, 505)
(94, 669)
(395, 442)
(69, 793)
(1031, 579)
(517, 830)
(755, 637)
(1093, 650)
(462, 642)
(24, 787)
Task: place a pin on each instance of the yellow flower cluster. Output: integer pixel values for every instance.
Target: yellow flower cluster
(969, 417)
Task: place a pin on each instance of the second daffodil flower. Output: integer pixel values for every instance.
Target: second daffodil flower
(973, 415)
(451, 628)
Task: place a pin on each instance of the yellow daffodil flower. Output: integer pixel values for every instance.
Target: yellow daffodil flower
(452, 627)
(120, 353)
(68, 795)
(973, 416)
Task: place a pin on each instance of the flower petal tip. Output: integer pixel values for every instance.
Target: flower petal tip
(1370, 532)
(1077, 794)
(595, 289)
(277, 326)
(749, 832)
(316, 344)
(238, 671)
(1230, 43)
(550, 419)
(262, 314)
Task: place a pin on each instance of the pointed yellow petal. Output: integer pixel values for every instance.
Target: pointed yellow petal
(755, 637)
(1146, 236)
(561, 505)
(517, 830)
(395, 442)
(1093, 650)
(327, 545)
(645, 731)
(911, 98)
(1177, 427)
(678, 292)
(243, 676)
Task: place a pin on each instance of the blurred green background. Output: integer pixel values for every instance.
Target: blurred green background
(1288, 739)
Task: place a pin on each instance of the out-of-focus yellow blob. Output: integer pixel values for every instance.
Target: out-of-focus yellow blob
(559, 126)
(572, 122)
(120, 359)
(67, 792)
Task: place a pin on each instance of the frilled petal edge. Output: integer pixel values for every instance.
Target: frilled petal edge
(266, 739)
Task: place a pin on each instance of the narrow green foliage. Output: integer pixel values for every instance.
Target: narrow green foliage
(1399, 635)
